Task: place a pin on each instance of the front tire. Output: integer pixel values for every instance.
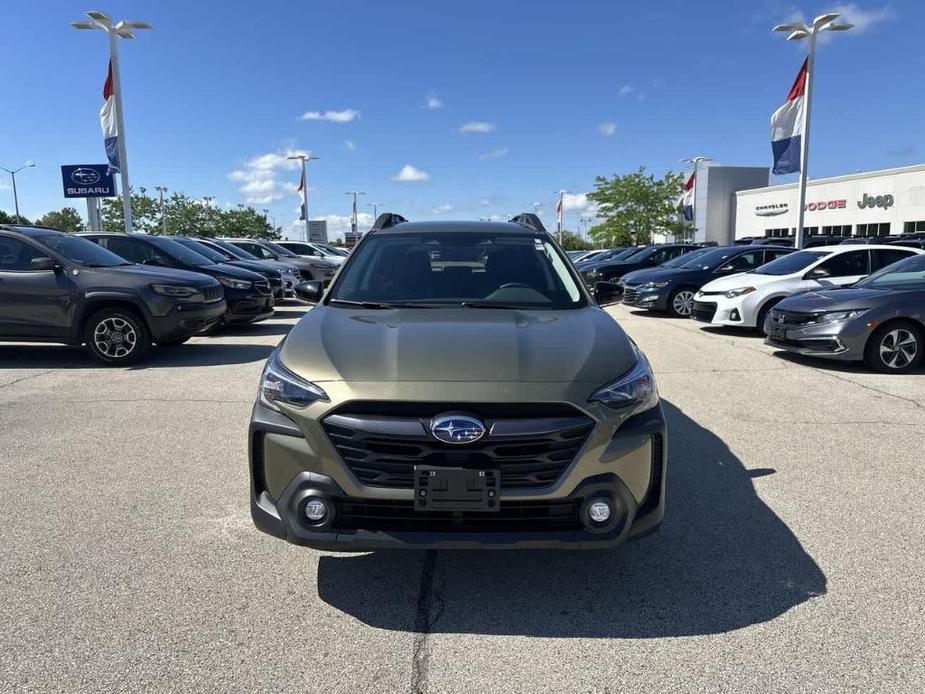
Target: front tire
(116, 336)
(681, 303)
(895, 348)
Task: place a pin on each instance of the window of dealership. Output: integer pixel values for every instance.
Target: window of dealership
(874, 203)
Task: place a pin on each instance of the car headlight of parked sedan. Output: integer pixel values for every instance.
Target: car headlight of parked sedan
(235, 284)
(739, 291)
(278, 385)
(635, 391)
(835, 316)
(654, 285)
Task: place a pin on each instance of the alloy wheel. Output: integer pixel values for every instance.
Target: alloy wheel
(683, 303)
(898, 348)
(115, 337)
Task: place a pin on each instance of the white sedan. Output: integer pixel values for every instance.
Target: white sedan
(744, 299)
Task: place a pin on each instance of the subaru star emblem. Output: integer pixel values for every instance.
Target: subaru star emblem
(456, 428)
(84, 176)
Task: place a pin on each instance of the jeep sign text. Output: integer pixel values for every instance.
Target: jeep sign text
(883, 201)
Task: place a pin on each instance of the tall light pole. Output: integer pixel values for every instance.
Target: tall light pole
(12, 174)
(161, 190)
(123, 30)
(560, 212)
(695, 162)
(586, 221)
(797, 32)
(375, 206)
(305, 158)
(353, 215)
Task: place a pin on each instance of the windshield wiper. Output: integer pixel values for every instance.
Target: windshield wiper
(385, 304)
(491, 304)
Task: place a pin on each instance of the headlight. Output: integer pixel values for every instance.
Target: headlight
(654, 285)
(633, 392)
(278, 385)
(835, 316)
(741, 291)
(234, 284)
(174, 290)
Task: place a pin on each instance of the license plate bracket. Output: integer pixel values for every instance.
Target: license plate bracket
(456, 489)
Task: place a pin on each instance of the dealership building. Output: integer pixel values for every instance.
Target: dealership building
(873, 203)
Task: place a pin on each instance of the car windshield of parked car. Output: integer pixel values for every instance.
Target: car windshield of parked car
(906, 274)
(684, 258)
(279, 250)
(233, 250)
(478, 270)
(80, 251)
(708, 259)
(203, 250)
(179, 252)
(788, 264)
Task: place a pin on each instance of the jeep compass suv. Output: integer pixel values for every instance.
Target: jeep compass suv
(456, 387)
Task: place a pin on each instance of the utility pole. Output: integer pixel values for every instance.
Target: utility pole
(161, 190)
(102, 21)
(12, 174)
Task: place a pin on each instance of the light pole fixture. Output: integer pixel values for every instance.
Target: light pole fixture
(12, 173)
(161, 190)
(120, 30)
(695, 162)
(797, 31)
(353, 216)
(375, 206)
(303, 185)
(560, 211)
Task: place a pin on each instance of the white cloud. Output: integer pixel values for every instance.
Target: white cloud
(409, 174)
(495, 153)
(478, 126)
(625, 90)
(432, 101)
(607, 129)
(442, 209)
(578, 202)
(258, 178)
(862, 19)
(345, 116)
(350, 145)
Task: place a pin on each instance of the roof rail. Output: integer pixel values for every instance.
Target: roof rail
(529, 220)
(387, 220)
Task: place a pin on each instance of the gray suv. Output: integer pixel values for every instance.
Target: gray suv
(457, 387)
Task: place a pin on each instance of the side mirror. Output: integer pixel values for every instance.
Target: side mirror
(726, 268)
(816, 274)
(45, 263)
(309, 292)
(606, 292)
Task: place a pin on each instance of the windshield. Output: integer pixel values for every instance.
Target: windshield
(233, 250)
(708, 259)
(490, 270)
(179, 252)
(788, 264)
(683, 259)
(202, 249)
(636, 253)
(279, 250)
(906, 274)
(80, 250)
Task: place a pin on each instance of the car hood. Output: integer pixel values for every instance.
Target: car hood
(457, 344)
(656, 274)
(256, 266)
(160, 274)
(742, 279)
(836, 300)
(225, 270)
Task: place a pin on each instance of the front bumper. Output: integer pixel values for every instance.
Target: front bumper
(843, 341)
(250, 309)
(718, 310)
(626, 467)
(652, 299)
(184, 320)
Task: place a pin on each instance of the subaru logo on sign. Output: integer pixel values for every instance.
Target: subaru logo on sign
(456, 428)
(84, 177)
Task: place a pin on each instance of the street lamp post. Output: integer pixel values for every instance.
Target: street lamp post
(12, 174)
(353, 215)
(161, 190)
(695, 162)
(797, 32)
(305, 158)
(375, 206)
(123, 30)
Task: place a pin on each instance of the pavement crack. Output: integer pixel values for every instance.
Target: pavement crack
(430, 605)
(26, 378)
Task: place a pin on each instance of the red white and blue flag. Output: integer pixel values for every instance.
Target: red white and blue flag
(109, 124)
(687, 198)
(787, 127)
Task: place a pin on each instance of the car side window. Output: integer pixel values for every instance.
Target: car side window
(137, 252)
(254, 249)
(884, 257)
(847, 264)
(17, 256)
(773, 254)
(747, 261)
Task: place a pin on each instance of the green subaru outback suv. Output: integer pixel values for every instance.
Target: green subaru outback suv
(457, 387)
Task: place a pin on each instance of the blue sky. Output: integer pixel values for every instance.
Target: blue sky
(553, 94)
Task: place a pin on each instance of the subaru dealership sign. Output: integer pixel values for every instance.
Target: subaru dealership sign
(87, 181)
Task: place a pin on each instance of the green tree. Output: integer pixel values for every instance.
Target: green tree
(146, 214)
(6, 218)
(573, 242)
(65, 219)
(634, 206)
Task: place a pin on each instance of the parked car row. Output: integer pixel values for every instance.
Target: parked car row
(850, 302)
(119, 293)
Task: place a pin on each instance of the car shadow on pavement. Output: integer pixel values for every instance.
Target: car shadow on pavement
(849, 367)
(723, 560)
(195, 354)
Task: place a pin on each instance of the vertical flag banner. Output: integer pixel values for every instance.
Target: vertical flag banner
(301, 188)
(787, 127)
(108, 123)
(687, 198)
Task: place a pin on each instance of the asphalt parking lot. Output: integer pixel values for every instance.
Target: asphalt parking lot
(790, 559)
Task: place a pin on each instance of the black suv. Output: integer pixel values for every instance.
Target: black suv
(57, 287)
(247, 294)
(272, 275)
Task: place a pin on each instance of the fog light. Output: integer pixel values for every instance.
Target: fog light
(315, 510)
(734, 315)
(599, 511)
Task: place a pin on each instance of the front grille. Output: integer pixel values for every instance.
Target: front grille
(262, 286)
(792, 318)
(529, 450)
(511, 516)
(703, 311)
(653, 495)
(276, 282)
(213, 293)
(630, 294)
